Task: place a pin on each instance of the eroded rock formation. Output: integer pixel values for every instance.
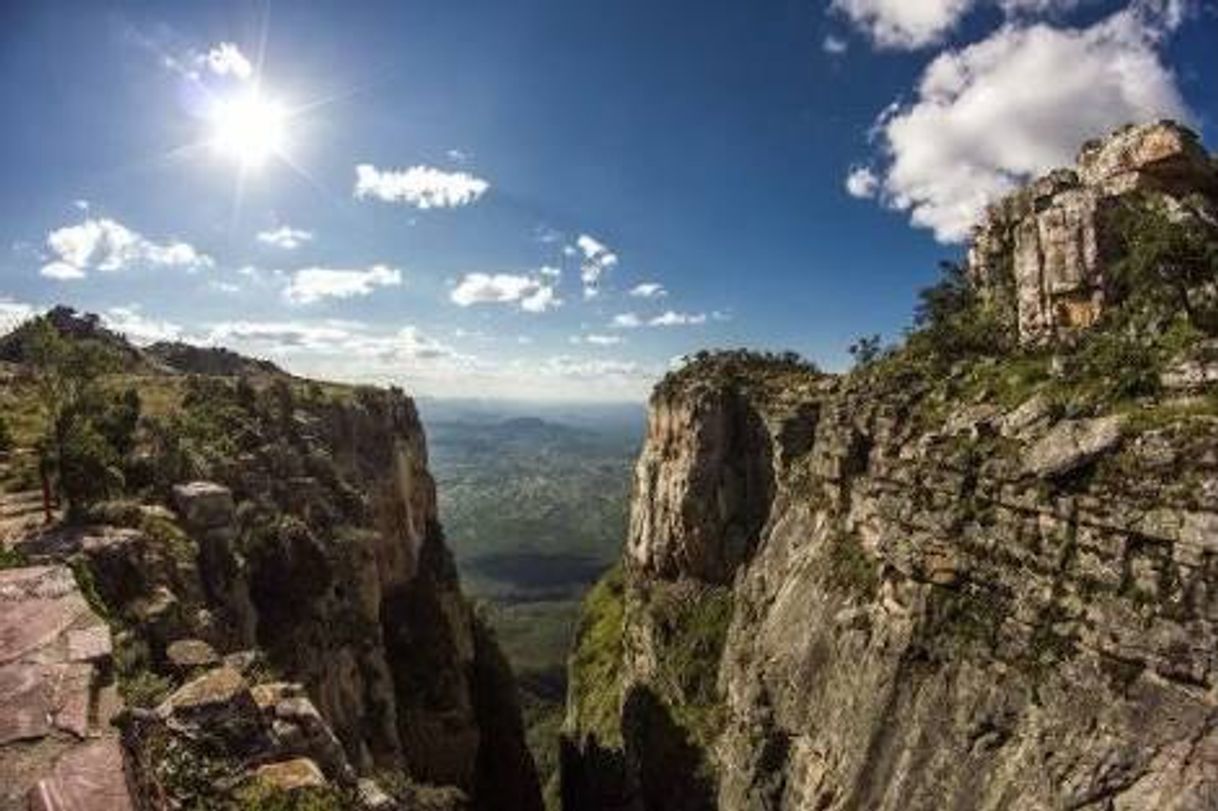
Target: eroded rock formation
(1054, 239)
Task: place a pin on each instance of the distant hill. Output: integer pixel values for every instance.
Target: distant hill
(15, 346)
(164, 356)
(207, 360)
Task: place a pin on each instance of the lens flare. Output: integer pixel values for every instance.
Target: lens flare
(248, 128)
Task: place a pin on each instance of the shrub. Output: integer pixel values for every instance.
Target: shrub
(6, 435)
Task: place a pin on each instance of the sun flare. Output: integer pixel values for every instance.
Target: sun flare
(248, 128)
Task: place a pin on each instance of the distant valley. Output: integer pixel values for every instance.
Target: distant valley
(534, 501)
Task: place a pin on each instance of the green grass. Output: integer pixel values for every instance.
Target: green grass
(596, 662)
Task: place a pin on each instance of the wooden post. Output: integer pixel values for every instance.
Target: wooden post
(47, 515)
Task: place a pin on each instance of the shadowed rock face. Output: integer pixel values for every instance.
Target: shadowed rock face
(1053, 238)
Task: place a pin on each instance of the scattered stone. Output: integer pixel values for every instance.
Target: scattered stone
(186, 655)
(1035, 410)
(291, 775)
(372, 797)
(217, 705)
(1072, 444)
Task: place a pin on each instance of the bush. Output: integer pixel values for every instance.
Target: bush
(88, 466)
(954, 321)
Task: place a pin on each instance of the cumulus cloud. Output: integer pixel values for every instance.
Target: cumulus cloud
(1020, 102)
(419, 186)
(341, 340)
(285, 237)
(226, 59)
(596, 260)
(138, 328)
(13, 314)
(648, 290)
(533, 293)
(671, 318)
(903, 23)
(861, 182)
(310, 285)
(909, 24)
(106, 245)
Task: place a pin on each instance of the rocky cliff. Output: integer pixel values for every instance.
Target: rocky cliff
(978, 572)
(285, 613)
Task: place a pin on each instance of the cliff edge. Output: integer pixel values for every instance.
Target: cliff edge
(978, 572)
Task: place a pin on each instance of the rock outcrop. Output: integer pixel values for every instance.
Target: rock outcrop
(292, 621)
(1048, 248)
(57, 750)
(942, 581)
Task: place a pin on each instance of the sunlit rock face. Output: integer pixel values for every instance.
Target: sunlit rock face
(1052, 241)
(946, 580)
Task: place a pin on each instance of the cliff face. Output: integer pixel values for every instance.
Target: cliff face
(295, 618)
(963, 584)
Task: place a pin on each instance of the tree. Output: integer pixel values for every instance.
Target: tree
(84, 435)
(866, 349)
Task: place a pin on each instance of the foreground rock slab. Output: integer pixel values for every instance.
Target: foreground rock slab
(55, 751)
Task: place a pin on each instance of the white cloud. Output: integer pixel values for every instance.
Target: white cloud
(672, 318)
(61, 271)
(909, 24)
(138, 328)
(1018, 103)
(226, 59)
(419, 186)
(106, 245)
(534, 294)
(648, 290)
(539, 301)
(834, 45)
(603, 340)
(310, 285)
(861, 182)
(13, 314)
(626, 321)
(285, 237)
(903, 23)
(597, 259)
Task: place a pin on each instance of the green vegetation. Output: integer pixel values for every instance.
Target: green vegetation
(851, 569)
(596, 660)
(735, 367)
(693, 623)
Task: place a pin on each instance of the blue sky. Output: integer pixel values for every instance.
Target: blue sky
(557, 197)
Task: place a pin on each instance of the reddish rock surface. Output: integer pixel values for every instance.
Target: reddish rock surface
(54, 751)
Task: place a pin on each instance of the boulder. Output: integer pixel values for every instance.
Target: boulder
(1072, 444)
(218, 707)
(187, 655)
(204, 505)
(291, 775)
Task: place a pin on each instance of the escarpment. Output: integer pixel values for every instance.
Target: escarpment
(978, 572)
(287, 621)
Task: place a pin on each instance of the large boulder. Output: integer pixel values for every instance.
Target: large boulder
(204, 505)
(1072, 444)
(217, 708)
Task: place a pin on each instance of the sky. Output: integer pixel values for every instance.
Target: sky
(544, 199)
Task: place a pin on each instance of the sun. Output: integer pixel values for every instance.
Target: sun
(248, 128)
